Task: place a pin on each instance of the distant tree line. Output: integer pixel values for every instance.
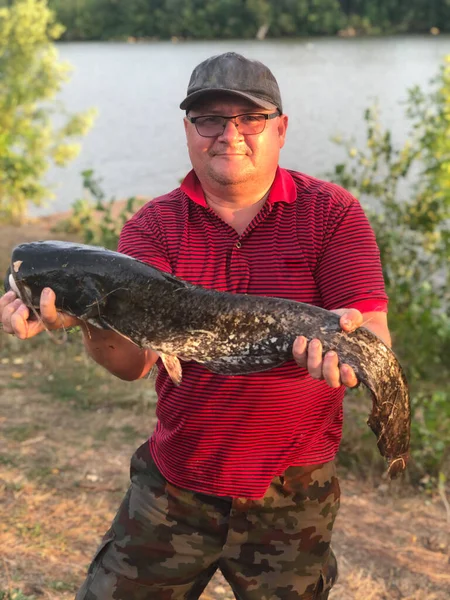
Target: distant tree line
(215, 19)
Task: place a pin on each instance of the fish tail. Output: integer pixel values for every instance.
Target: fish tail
(390, 421)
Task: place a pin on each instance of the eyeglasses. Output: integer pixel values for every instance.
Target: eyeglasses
(247, 124)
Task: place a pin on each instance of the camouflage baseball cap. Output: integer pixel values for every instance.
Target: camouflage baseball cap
(234, 74)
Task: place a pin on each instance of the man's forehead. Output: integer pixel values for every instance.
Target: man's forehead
(223, 103)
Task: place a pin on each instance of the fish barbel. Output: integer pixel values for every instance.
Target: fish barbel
(228, 333)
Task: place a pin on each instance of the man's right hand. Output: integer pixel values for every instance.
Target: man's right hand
(115, 353)
(15, 315)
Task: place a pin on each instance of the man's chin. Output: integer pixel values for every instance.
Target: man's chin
(231, 176)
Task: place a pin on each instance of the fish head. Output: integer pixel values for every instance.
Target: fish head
(61, 266)
(21, 279)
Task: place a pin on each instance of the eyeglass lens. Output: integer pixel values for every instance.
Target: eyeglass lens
(210, 126)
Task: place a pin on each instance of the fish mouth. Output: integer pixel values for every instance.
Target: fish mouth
(22, 291)
(9, 282)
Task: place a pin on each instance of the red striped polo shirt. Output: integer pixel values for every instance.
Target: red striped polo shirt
(310, 242)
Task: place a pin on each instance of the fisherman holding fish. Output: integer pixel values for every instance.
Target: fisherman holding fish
(239, 473)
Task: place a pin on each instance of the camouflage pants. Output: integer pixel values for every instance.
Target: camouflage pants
(165, 543)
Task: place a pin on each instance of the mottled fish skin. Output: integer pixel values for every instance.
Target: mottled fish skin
(228, 333)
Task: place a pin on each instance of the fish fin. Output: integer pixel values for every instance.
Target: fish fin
(173, 367)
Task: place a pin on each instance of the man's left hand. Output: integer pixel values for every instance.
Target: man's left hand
(319, 366)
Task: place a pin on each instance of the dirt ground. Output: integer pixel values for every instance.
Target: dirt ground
(67, 433)
(63, 471)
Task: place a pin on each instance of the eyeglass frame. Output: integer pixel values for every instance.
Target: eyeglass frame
(267, 117)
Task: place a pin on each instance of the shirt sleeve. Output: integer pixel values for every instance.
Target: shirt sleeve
(349, 272)
(142, 238)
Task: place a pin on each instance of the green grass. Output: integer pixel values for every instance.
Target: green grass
(127, 433)
(62, 586)
(130, 433)
(21, 433)
(8, 461)
(66, 374)
(14, 595)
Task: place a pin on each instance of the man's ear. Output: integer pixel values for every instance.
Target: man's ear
(282, 128)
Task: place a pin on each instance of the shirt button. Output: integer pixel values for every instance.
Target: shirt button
(238, 245)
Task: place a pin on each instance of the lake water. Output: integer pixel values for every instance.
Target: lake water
(137, 144)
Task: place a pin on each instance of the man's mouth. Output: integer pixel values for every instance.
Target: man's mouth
(230, 154)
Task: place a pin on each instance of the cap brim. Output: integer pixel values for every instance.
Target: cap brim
(191, 98)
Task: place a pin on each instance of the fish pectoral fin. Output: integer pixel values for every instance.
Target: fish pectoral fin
(172, 366)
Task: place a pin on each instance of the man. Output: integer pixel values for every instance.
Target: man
(239, 473)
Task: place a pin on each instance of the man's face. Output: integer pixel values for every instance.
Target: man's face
(233, 158)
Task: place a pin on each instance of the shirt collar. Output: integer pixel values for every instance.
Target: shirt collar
(282, 190)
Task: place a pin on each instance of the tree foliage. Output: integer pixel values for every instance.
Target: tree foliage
(407, 195)
(30, 77)
(106, 19)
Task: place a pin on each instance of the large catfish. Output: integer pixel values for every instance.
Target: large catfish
(228, 333)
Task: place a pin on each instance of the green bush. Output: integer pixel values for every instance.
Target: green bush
(30, 78)
(413, 234)
(92, 216)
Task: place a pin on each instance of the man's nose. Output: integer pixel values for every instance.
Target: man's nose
(231, 131)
